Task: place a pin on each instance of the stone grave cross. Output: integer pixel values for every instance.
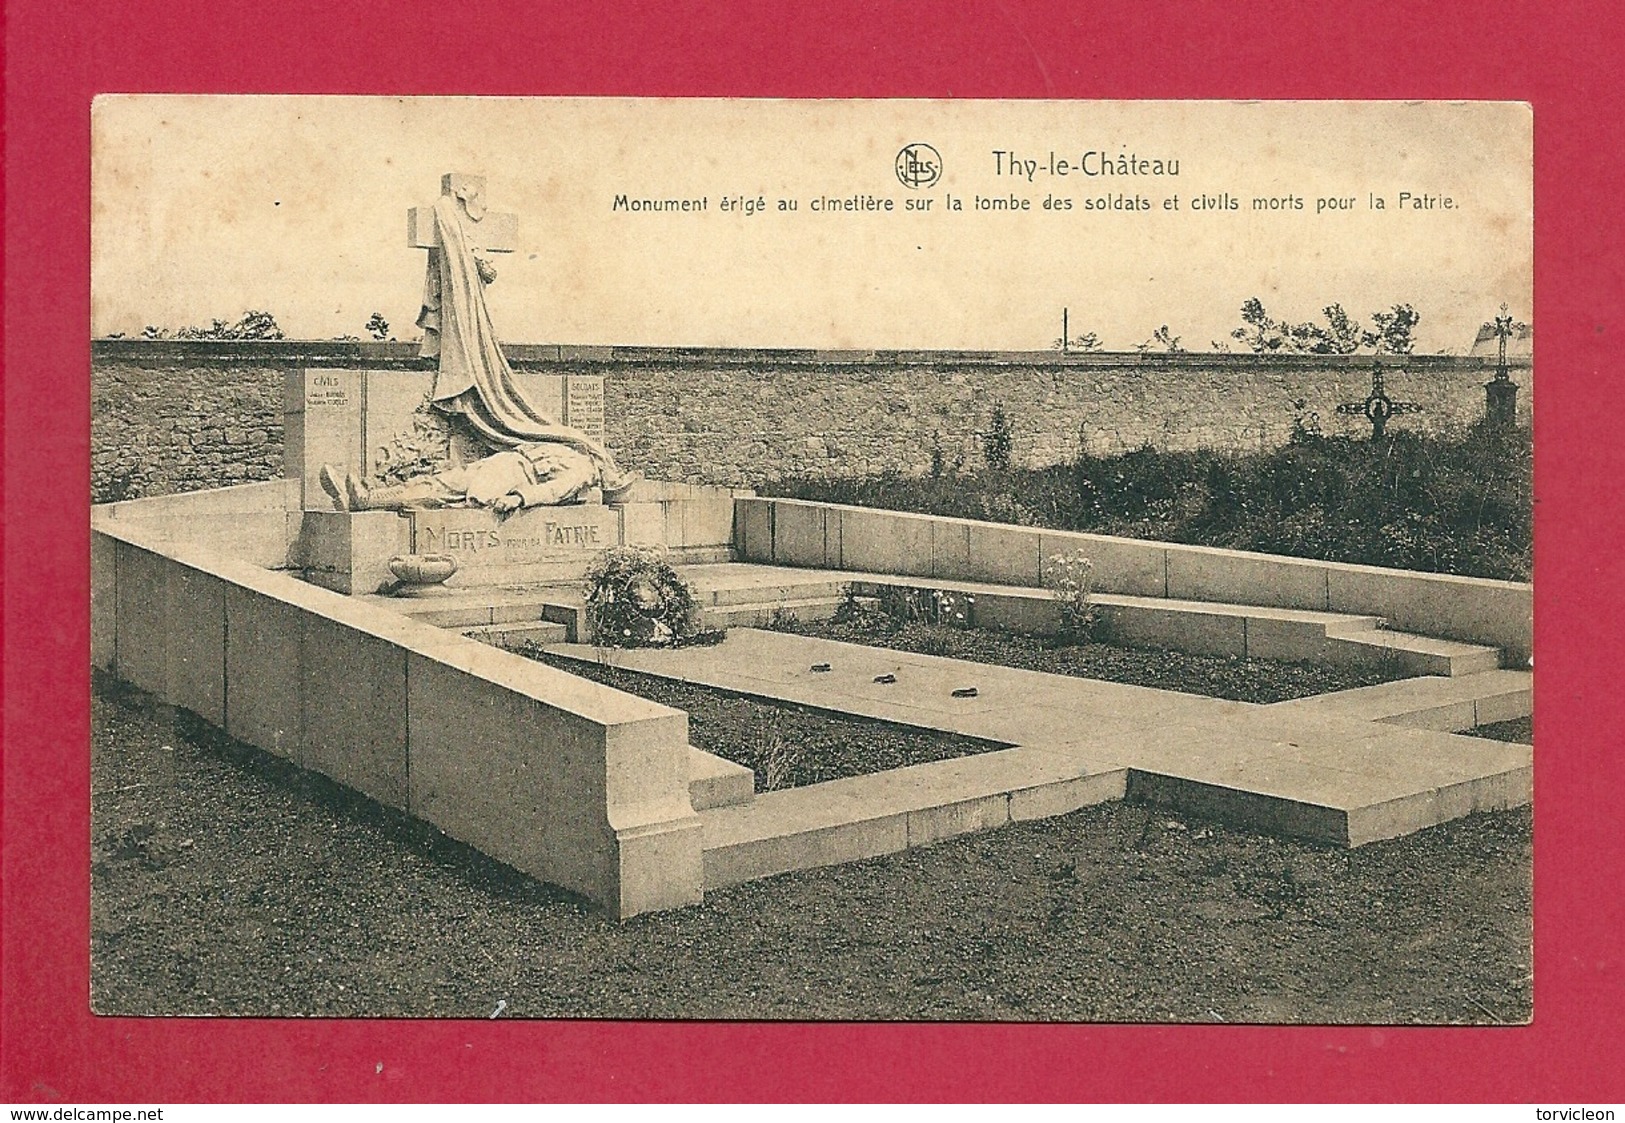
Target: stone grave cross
(1504, 326)
(1378, 407)
(1501, 393)
(489, 231)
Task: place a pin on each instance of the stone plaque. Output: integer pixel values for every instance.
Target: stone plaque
(328, 390)
(584, 404)
(330, 405)
(544, 391)
(535, 536)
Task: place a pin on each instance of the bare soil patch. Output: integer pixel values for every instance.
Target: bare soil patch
(786, 745)
(226, 881)
(1213, 676)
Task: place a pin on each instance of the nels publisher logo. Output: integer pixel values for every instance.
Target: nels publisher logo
(918, 166)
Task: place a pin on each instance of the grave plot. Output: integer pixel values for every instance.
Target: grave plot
(1298, 771)
(351, 619)
(1325, 764)
(783, 744)
(383, 694)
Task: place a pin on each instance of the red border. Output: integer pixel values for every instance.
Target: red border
(1562, 57)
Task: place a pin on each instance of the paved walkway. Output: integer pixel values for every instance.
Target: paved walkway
(1326, 770)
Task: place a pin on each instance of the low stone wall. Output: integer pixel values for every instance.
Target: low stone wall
(177, 416)
(831, 536)
(574, 783)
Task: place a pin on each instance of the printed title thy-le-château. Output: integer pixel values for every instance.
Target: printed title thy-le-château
(1091, 163)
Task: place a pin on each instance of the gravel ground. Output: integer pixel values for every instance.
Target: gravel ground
(785, 744)
(1519, 729)
(1215, 676)
(226, 881)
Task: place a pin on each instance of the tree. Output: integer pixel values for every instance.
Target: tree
(1341, 334)
(378, 326)
(1089, 341)
(254, 324)
(1395, 330)
(1164, 339)
(1260, 333)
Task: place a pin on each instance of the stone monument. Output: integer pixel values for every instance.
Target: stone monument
(474, 381)
(465, 461)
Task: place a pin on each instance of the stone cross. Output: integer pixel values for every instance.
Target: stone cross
(1378, 407)
(1503, 331)
(490, 231)
(1501, 393)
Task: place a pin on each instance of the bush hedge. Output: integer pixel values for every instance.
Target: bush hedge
(1461, 503)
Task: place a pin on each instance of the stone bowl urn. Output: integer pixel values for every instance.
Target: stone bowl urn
(421, 575)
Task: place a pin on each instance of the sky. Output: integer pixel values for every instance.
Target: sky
(206, 206)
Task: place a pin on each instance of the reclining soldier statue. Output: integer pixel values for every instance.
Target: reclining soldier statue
(533, 474)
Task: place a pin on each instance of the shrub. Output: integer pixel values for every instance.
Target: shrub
(865, 614)
(636, 599)
(783, 619)
(998, 441)
(928, 606)
(774, 757)
(1068, 577)
(1458, 503)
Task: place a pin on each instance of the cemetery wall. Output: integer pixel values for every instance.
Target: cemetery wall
(170, 416)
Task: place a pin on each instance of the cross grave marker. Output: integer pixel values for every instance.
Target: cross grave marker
(1501, 393)
(1378, 407)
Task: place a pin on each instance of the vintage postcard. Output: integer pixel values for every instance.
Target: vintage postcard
(1045, 561)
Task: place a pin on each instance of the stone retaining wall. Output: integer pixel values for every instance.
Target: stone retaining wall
(571, 782)
(179, 416)
(796, 532)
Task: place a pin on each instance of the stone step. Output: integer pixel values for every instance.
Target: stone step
(815, 586)
(700, 555)
(1452, 705)
(1211, 628)
(1419, 655)
(470, 612)
(760, 615)
(1194, 627)
(1349, 821)
(715, 782)
(867, 816)
(512, 636)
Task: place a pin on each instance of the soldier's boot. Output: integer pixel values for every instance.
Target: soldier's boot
(617, 487)
(394, 498)
(329, 479)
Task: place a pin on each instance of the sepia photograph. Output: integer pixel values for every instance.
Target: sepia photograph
(857, 560)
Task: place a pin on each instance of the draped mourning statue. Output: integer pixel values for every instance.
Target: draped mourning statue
(475, 382)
